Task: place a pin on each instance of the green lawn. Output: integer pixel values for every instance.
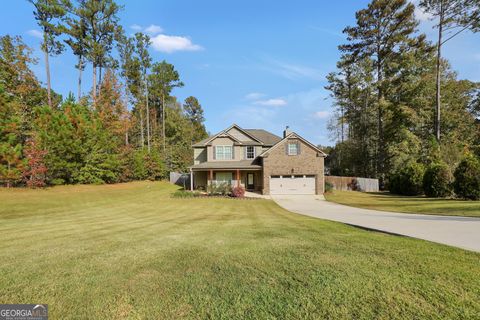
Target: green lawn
(388, 202)
(130, 251)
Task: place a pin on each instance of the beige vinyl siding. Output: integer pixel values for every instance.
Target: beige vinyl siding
(238, 135)
(223, 142)
(199, 155)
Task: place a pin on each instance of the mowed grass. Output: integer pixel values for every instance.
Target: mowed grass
(388, 202)
(130, 251)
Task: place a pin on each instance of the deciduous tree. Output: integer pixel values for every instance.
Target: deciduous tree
(35, 170)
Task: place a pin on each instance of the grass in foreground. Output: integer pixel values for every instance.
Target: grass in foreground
(387, 202)
(131, 251)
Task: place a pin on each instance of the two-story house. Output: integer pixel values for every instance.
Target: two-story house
(259, 161)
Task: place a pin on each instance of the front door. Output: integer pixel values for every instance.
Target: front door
(250, 180)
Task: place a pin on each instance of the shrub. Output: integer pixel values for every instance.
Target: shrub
(328, 186)
(437, 181)
(353, 185)
(57, 181)
(184, 194)
(238, 192)
(147, 166)
(222, 188)
(408, 180)
(467, 179)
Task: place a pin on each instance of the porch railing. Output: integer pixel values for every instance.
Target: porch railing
(232, 183)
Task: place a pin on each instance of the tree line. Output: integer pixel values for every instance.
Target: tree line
(397, 100)
(128, 127)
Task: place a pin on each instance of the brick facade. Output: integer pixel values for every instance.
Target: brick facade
(308, 162)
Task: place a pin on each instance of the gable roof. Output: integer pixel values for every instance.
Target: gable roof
(266, 137)
(263, 137)
(296, 136)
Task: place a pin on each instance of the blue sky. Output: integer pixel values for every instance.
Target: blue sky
(260, 64)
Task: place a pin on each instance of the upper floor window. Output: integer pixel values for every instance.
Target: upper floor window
(223, 152)
(292, 149)
(250, 152)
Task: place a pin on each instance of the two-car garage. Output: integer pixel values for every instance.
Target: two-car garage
(292, 184)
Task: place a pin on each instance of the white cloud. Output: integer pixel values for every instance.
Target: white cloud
(166, 43)
(35, 33)
(254, 96)
(293, 71)
(298, 113)
(271, 102)
(321, 114)
(169, 44)
(136, 27)
(153, 29)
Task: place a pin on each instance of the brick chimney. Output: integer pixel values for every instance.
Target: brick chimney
(286, 132)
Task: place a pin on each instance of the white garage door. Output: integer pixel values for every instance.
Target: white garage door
(297, 184)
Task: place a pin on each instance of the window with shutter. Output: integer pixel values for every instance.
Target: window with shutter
(223, 153)
(250, 152)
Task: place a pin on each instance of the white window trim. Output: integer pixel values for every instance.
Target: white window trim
(223, 152)
(254, 152)
(290, 152)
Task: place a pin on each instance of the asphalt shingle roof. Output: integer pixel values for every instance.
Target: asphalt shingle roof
(268, 138)
(243, 164)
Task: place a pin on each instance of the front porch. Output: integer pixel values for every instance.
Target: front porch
(250, 179)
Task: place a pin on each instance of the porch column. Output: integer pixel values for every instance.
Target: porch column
(238, 178)
(210, 176)
(191, 180)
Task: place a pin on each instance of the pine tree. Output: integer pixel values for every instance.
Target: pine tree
(194, 113)
(453, 17)
(11, 164)
(49, 14)
(382, 28)
(77, 30)
(162, 80)
(102, 27)
(142, 42)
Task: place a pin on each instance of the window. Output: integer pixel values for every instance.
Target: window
(292, 149)
(250, 152)
(223, 177)
(223, 153)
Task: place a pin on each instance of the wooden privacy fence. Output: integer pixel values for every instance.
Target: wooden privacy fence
(353, 183)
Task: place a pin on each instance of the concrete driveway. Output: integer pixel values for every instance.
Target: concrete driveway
(462, 232)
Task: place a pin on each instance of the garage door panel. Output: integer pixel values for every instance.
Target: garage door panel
(292, 185)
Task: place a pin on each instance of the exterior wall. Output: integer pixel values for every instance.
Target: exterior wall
(243, 153)
(238, 151)
(199, 155)
(257, 179)
(239, 135)
(223, 142)
(307, 162)
(200, 179)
